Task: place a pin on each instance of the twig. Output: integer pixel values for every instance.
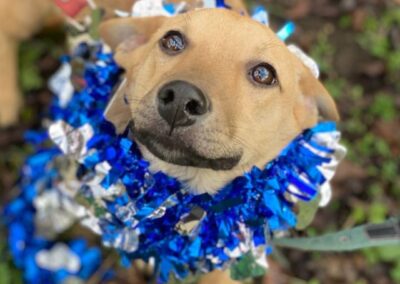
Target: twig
(108, 263)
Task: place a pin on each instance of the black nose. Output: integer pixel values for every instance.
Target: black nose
(181, 103)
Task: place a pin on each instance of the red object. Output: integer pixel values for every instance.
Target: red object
(71, 7)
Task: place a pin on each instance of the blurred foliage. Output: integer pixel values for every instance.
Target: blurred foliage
(363, 111)
(366, 86)
(8, 273)
(29, 71)
(378, 40)
(31, 53)
(389, 255)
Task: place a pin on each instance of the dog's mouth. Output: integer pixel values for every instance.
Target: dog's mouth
(170, 151)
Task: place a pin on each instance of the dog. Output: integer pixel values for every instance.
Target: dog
(208, 94)
(211, 93)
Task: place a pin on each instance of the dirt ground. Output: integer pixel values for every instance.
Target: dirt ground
(357, 45)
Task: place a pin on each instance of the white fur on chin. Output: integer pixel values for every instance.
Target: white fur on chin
(197, 180)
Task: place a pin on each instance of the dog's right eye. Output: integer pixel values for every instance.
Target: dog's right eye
(173, 42)
(264, 74)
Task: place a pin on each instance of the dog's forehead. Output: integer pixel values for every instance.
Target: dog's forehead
(221, 26)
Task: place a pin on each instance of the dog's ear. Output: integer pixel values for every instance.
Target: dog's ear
(314, 102)
(117, 111)
(129, 33)
(124, 35)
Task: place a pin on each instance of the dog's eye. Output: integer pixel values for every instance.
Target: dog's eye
(264, 74)
(173, 42)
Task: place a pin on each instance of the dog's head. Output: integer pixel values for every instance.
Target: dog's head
(211, 93)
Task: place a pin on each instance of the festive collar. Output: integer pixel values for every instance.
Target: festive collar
(100, 180)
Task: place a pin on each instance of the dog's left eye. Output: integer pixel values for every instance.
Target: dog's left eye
(264, 74)
(173, 42)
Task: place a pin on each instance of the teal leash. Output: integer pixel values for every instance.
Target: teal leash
(365, 236)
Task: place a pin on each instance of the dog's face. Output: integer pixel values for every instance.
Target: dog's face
(211, 93)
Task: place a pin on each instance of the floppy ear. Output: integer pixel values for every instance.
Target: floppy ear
(314, 101)
(124, 35)
(117, 111)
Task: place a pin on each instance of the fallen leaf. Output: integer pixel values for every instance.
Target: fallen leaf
(347, 170)
(300, 10)
(358, 19)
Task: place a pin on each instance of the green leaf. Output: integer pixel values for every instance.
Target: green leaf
(307, 212)
(395, 272)
(30, 78)
(5, 274)
(390, 170)
(377, 212)
(384, 106)
(389, 253)
(358, 214)
(345, 240)
(96, 18)
(29, 75)
(247, 267)
(345, 22)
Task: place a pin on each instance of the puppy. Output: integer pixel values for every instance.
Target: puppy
(211, 93)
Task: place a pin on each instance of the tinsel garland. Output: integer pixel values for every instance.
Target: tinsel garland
(100, 180)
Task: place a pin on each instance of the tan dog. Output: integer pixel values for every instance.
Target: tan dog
(211, 93)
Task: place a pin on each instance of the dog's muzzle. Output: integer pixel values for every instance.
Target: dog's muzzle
(181, 105)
